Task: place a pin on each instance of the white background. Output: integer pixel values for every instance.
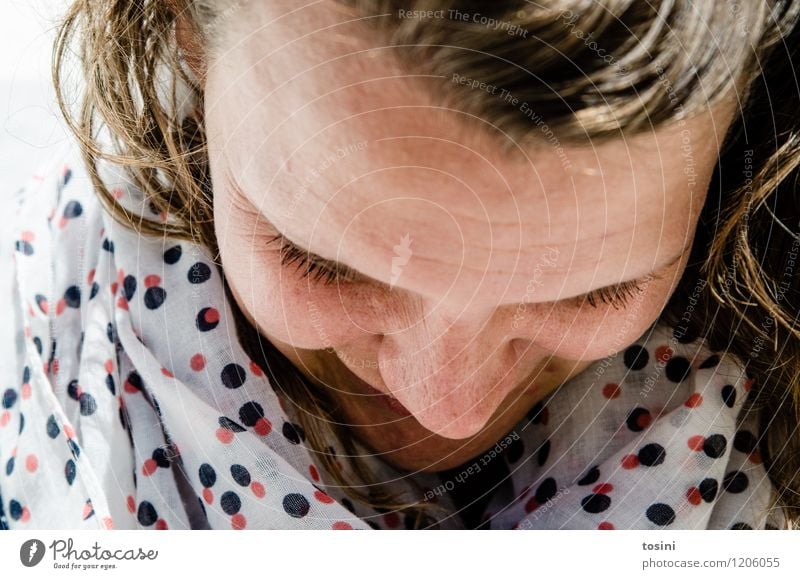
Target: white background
(30, 126)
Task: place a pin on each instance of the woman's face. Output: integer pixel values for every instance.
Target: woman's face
(455, 274)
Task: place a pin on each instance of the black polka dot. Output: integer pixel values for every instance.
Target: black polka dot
(543, 453)
(52, 427)
(240, 475)
(515, 450)
(73, 390)
(250, 413)
(72, 297)
(173, 254)
(24, 247)
(741, 527)
(636, 357)
(208, 476)
(546, 491)
(94, 290)
(715, 445)
(735, 482)
(296, 505)
(233, 376)
(661, 514)
(9, 398)
(590, 477)
(199, 273)
(226, 422)
(10, 465)
(638, 419)
(729, 395)
(710, 362)
(595, 503)
(69, 471)
(73, 209)
(708, 489)
(652, 454)
(88, 404)
(134, 380)
(161, 457)
(129, 287)
(293, 432)
(230, 502)
(14, 509)
(110, 384)
(108, 245)
(37, 341)
(147, 514)
(744, 441)
(677, 369)
(154, 297)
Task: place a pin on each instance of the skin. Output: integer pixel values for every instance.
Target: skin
(483, 314)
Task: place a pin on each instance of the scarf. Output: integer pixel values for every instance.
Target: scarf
(128, 401)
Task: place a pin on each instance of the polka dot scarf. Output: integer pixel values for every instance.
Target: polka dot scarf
(128, 402)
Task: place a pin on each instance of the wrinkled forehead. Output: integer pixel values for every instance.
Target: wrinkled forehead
(352, 159)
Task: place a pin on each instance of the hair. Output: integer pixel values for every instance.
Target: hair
(592, 70)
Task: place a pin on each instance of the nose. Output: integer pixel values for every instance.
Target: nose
(451, 375)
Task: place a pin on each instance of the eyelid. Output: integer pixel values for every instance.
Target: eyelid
(313, 265)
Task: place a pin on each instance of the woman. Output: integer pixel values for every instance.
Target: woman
(412, 264)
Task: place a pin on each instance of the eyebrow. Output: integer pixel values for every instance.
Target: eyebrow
(346, 270)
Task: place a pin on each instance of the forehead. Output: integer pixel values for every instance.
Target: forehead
(353, 159)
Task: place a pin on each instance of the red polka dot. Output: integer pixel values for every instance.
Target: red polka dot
(693, 496)
(26, 515)
(4, 418)
(644, 419)
(531, 505)
(152, 281)
(208, 496)
(611, 391)
(630, 461)
(322, 497)
(603, 488)
(392, 520)
(198, 362)
(224, 435)
(263, 426)
(122, 303)
(60, 305)
(109, 366)
(238, 522)
(68, 432)
(748, 384)
(694, 400)
(113, 288)
(314, 473)
(256, 369)
(108, 523)
(131, 504)
(149, 467)
(258, 489)
(167, 373)
(161, 525)
(755, 457)
(663, 354)
(696, 442)
(605, 526)
(31, 463)
(90, 277)
(26, 391)
(28, 236)
(341, 526)
(211, 315)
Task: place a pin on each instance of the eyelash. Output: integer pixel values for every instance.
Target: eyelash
(317, 271)
(615, 296)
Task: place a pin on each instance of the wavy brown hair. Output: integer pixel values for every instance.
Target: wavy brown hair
(597, 70)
